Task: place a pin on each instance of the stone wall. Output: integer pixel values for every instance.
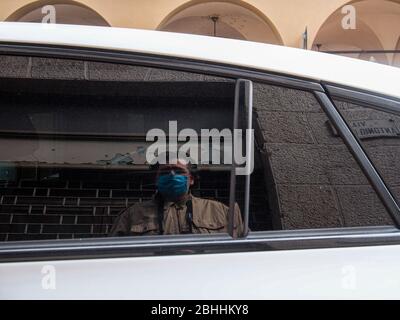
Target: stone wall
(64, 69)
(383, 148)
(316, 180)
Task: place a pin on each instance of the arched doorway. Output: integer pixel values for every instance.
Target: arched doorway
(377, 29)
(222, 19)
(396, 58)
(65, 13)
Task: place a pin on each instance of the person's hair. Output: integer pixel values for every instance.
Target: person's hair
(190, 165)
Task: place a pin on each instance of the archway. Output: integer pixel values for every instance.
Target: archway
(226, 19)
(377, 30)
(396, 58)
(67, 12)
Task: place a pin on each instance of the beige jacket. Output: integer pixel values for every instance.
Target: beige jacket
(208, 216)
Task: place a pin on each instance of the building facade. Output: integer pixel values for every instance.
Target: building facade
(364, 29)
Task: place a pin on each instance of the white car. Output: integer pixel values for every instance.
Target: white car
(320, 207)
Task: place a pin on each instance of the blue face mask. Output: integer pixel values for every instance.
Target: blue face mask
(173, 186)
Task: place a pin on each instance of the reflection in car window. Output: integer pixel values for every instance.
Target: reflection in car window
(174, 209)
(73, 150)
(314, 181)
(379, 134)
(73, 156)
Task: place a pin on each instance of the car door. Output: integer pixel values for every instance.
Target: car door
(322, 222)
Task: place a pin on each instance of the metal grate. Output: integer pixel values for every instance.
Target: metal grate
(85, 205)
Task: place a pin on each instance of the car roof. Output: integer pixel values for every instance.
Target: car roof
(308, 64)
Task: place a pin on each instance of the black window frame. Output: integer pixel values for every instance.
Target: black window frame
(201, 244)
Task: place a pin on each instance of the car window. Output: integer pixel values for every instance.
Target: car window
(378, 133)
(313, 181)
(73, 147)
(73, 154)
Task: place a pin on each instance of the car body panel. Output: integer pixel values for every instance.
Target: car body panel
(338, 273)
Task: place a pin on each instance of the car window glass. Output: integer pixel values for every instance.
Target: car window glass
(313, 181)
(379, 134)
(73, 146)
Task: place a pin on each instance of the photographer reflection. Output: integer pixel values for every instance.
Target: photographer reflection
(174, 210)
